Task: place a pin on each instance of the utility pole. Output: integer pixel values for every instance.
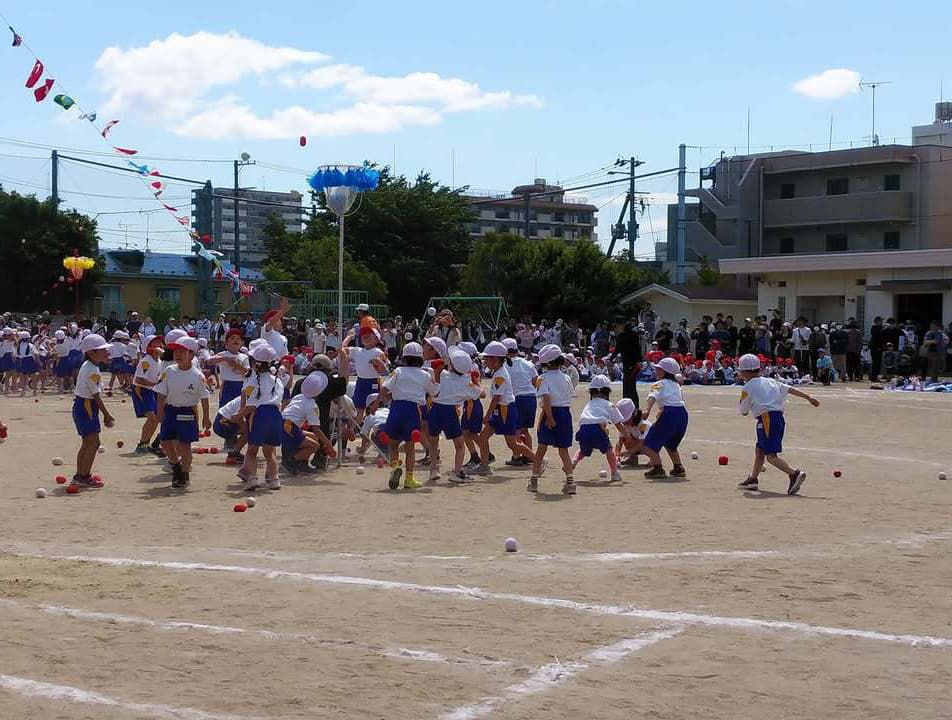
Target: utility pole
(632, 230)
(54, 179)
(682, 171)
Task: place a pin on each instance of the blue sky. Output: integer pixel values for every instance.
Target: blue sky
(512, 91)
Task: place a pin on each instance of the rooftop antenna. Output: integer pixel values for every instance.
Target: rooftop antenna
(873, 85)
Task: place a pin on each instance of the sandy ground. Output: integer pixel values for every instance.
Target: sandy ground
(336, 598)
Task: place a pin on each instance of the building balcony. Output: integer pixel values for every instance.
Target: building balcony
(852, 209)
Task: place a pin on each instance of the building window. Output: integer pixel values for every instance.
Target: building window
(787, 191)
(891, 182)
(836, 242)
(891, 239)
(169, 294)
(560, 217)
(557, 231)
(502, 214)
(585, 218)
(837, 186)
(786, 245)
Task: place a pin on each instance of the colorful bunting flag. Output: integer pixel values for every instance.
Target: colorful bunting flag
(141, 169)
(109, 126)
(88, 116)
(170, 208)
(35, 74)
(64, 101)
(17, 40)
(125, 151)
(43, 90)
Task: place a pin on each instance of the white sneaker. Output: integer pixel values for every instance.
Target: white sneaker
(434, 473)
(616, 476)
(274, 484)
(252, 483)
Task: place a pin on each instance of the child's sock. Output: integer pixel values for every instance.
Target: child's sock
(612, 461)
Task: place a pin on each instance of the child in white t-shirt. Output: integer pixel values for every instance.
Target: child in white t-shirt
(765, 399)
(555, 423)
(629, 447)
(670, 423)
(599, 412)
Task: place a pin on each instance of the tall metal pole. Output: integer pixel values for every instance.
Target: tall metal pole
(632, 224)
(341, 446)
(682, 171)
(237, 248)
(54, 178)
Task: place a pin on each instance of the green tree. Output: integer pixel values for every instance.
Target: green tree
(410, 233)
(34, 239)
(160, 311)
(312, 255)
(707, 275)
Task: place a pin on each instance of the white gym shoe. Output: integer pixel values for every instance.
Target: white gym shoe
(274, 484)
(252, 483)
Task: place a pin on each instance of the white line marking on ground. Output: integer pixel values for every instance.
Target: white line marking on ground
(831, 452)
(551, 676)
(37, 689)
(265, 635)
(665, 616)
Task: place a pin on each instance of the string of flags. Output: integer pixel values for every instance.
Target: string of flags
(41, 84)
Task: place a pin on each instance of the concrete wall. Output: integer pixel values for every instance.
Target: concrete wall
(866, 236)
(673, 310)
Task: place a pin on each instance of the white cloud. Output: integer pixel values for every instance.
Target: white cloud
(172, 81)
(829, 84)
(230, 119)
(169, 78)
(425, 88)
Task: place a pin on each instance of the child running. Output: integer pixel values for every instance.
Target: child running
(147, 376)
(502, 416)
(671, 422)
(599, 412)
(408, 387)
(234, 367)
(87, 406)
(370, 363)
(456, 387)
(179, 390)
(555, 422)
(765, 398)
(524, 378)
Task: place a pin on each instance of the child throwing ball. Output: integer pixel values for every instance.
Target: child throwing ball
(766, 398)
(671, 422)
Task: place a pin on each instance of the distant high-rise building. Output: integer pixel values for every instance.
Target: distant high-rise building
(551, 215)
(254, 209)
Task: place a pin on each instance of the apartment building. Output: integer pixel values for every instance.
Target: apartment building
(552, 214)
(254, 209)
(833, 235)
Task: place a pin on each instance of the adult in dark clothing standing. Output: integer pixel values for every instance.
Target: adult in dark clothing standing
(745, 338)
(628, 346)
(664, 336)
(876, 345)
(854, 347)
(702, 339)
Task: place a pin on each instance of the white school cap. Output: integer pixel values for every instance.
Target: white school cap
(174, 336)
(314, 384)
(748, 362)
(93, 342)
(460, 361)
(669, 365)
(495, 349)
(263, 353)
(626, 406)
(599, 382)
(203, 342)
(59, 335)
(468, 348)
(437, 344)
(413, 349)
(548, 353)
(372, 398)
(183, 343)
(511, 344)
(363, 307)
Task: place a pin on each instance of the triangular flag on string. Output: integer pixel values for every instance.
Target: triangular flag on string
(35, 74)
(156, 184)
(109, 126)
(169, 208)
(64, 101)
(184, 221)
(141, 169)
(125, 151)
(88, 116)
(156, 173)
(17, 40)
(43, 90)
